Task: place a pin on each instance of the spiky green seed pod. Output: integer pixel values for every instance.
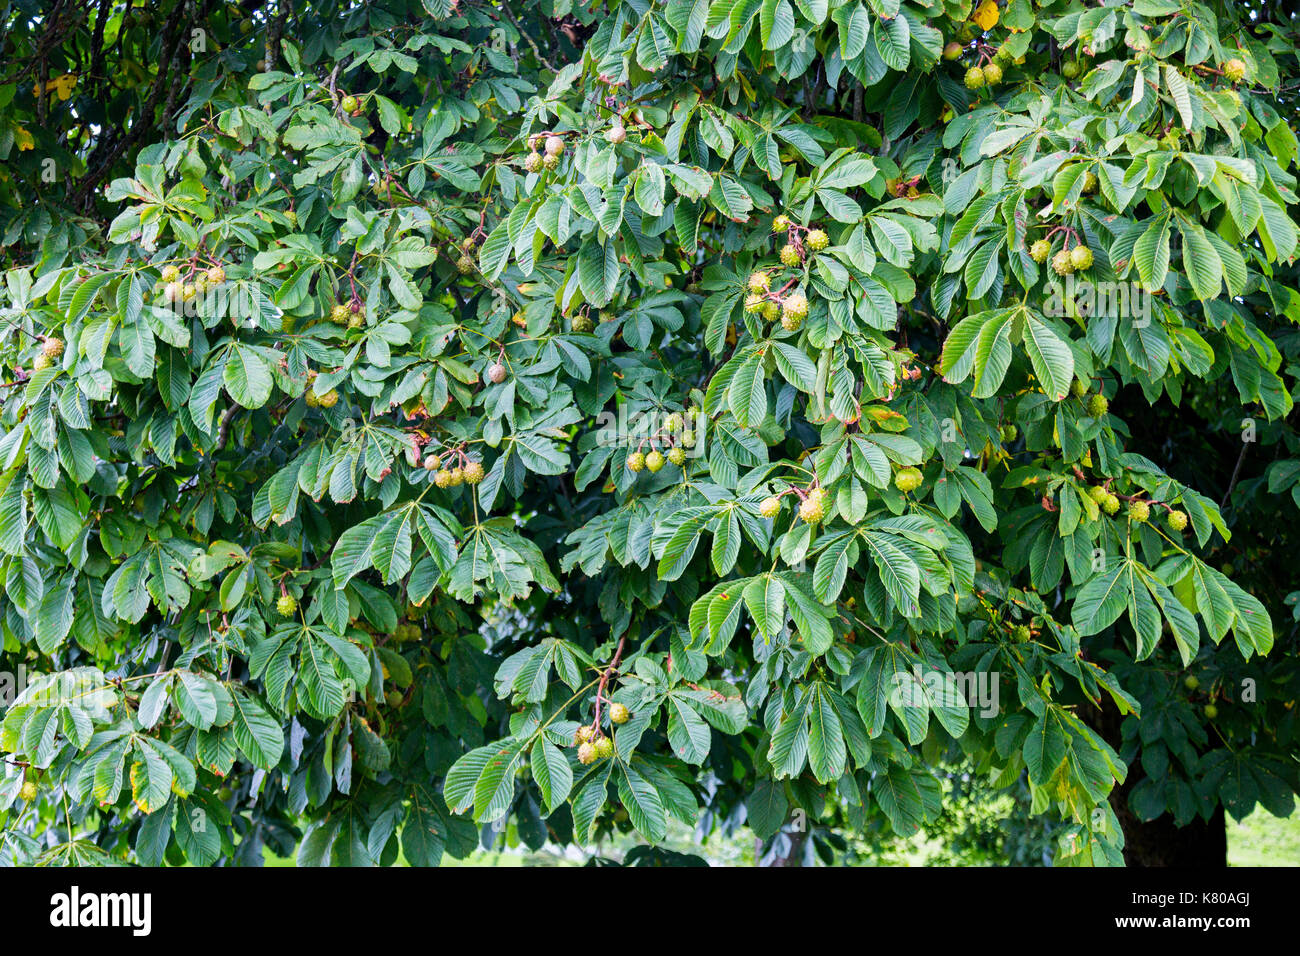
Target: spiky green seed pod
(781, 223)
(1211, 711)
(285, 605)
(1098, 494)
(677, 455)
(604, 748)
(908, 479)
(974, 78)
(1098, 406)
(795, 305)
(1139, 510)
(813, 507)
(1040, 250)
(1081, 258)
(636, 461)
(790, 256)
(992, 74)
(1234, 70)
(759, 282)
(770, 310)
(1078, 388)
(587, 753)
(533, 162)
(473, 473)
(754, 303)
(770, 506)
(619, 714)
(1110, 505)
(654, 461)
(817, 240)
(1062, 263)
(1177, 520)
(1191, 682)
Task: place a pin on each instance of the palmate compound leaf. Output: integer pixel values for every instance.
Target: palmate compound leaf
(258, 734)
(642, 800)
(552, 773)
(822, 729)
(483, 780)
(1128, 586)
(908, 798)
(981, 345)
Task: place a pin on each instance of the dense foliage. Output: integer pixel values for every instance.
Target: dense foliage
(421, 417)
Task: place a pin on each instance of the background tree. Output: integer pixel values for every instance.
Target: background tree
(424, 420)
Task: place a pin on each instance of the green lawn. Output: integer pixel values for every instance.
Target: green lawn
(1264, 840)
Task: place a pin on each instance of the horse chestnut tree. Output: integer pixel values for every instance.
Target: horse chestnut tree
(395, 438)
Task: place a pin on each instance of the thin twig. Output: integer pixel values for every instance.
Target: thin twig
(1236, 471)
(604, 678)
(505, 8)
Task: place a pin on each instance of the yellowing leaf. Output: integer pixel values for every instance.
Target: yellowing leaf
(63, 85)
(23, 139)
(986, 15)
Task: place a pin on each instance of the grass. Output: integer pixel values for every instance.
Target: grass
(1264, 840)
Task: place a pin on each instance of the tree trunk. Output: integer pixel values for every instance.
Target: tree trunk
(793, 856)
(1158, 842)
(1201, 843)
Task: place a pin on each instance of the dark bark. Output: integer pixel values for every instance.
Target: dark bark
(793, 851)
(1159, 842)
(1201, 843)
